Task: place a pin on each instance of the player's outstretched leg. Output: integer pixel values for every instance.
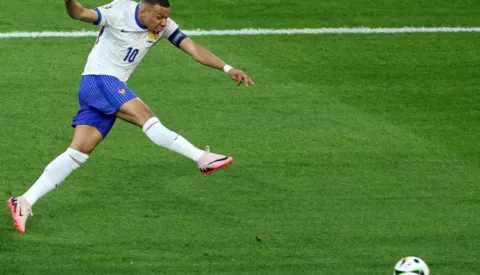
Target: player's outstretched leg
(207, 162)
(85, 138)
(136, 112)
(55, 173)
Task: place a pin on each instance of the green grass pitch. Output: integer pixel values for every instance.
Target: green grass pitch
(351, 152)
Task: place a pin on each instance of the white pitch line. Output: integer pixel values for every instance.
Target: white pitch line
(360, 30)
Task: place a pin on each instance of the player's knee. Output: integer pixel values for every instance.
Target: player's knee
(145, 114)
(136, 112)
(142, 115)
(82, 148)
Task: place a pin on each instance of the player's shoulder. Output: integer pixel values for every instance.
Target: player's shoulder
(172, 26)
(116, 13)
(170, 20)
(118, 5)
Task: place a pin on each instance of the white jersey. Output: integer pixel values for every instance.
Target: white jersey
(123, 41)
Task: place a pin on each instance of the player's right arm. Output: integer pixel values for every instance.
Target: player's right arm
(77, 11)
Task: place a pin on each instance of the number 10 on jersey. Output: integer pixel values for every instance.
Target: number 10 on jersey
(131, 55)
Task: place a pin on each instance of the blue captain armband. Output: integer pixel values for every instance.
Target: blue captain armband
(177, 37)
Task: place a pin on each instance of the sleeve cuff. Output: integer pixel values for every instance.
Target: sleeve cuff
(99, 19)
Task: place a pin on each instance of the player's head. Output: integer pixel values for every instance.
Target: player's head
(154, 14)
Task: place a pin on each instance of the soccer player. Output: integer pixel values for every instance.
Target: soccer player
(128, 31)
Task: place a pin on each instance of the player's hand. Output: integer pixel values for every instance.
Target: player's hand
(240, 76)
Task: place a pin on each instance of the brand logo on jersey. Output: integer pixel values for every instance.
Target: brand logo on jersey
(152, 35)
(122, 91)
(107, 7)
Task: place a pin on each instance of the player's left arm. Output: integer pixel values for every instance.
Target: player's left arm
(207, 58)
(76, 11)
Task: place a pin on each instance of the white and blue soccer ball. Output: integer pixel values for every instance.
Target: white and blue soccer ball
(411, 266)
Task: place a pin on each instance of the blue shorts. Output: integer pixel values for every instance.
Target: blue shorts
(100, 97)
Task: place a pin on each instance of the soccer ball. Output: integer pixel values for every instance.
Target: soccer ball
(411, 266)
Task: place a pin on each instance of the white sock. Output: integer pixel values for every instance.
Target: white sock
(161, 136)
(55, 173)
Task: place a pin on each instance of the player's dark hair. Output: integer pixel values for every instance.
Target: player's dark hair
(162, 3)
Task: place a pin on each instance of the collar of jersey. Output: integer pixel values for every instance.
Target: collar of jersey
(136, 18)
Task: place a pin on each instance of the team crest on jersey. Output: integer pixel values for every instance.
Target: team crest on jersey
(152, 35)
(122, 91)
